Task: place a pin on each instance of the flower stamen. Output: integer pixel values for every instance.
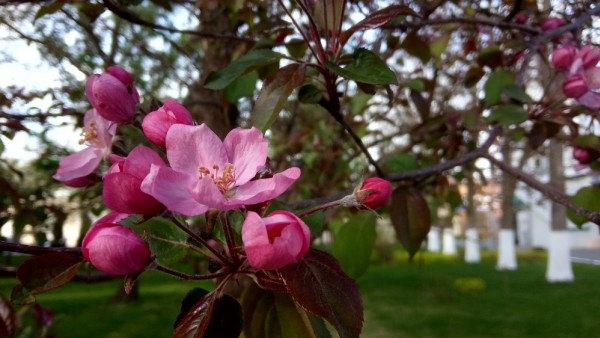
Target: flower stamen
(88, 133)
(224, 182)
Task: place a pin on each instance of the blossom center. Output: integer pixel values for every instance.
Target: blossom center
(273, 233)
(225, 181)
(88, 133)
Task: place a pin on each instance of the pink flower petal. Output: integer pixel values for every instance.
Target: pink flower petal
(157, 123)
(247, 151)
(265, 189)
(121, 193)
(171, 189)
(191, 147)
(139, 161)
(112, 217)
(79, 164)
(111, 99)
(206, 192)
(590, 99)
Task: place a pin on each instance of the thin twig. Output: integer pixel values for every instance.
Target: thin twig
(549, 191)
(36, 250)
(185, 276)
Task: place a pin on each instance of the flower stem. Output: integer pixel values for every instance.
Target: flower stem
(320, 207)
(185, 276)
(201, 240)
(230, 238)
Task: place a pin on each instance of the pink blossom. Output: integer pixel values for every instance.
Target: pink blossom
(563, 57)
(575, 86)
(98, 132)
(589, 56)
(121, 191)
(113, 95)
(115, 249)
(209, 173)
(374, 192)
(275, 241)
(552, 23)
(157, 123)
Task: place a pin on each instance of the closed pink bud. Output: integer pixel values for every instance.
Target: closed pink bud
(122, 184)
(563, 57)
(521, 18)
(551, 23)
(374, 192)
(157, 123)
(581, 155)
(114, 97)
(115, 249)
(575, 86)
(275, 241)
(589, 55)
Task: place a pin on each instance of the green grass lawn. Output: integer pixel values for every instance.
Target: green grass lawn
(435, 299)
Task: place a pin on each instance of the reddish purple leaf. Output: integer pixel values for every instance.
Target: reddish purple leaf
(196, 320)
(7, 318)
(409, 213)
(320, 286)
(377, 19)
(269, 281)
(20, 296)
(209, 317)
(43, 315)
(48, 271)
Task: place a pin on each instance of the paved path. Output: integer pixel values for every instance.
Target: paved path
(588, 256)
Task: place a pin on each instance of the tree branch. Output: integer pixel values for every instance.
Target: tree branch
(549, 191)
(35, 250)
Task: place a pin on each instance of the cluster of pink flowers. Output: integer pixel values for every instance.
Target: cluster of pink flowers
(201, 172)
(581, 71)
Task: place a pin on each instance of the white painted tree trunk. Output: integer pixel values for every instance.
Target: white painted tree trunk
(448, 242)
(507, 256)
(559, 258)
(472, 254)
(433, 240)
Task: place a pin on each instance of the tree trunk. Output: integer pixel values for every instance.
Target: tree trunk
(507, 257)
(472, 254)
(206, 105)
(559, 256)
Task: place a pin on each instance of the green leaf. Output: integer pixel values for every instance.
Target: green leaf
(241, 87)
(410, 216)
(438, 45)
(254, 59)
(494, 85)
(274, 315)
(366, 67)
(49, 9)
(20, 296)
(331, 8)
(48, 271)
(589, 141)
(474, 74)
(415, 46)
(318, 284)
(166, 253)
(309, 94)
(507, 115)
(359, 102)
(490, 56)
(416, 84)
(274, 94)
(401, 162)
(354, 243)
(315, 222)
(296, 48)
(517, 93)
(2, 146)
(586, 198)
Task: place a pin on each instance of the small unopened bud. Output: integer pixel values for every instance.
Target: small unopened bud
(374, 192)
(521, 18)
(589, 55)
(563, 57)
(582, 155)
(575, 86)
(551, 23)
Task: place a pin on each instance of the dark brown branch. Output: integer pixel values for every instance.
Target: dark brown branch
(549, 191)
(438, 168)
(467, 20)
(35, 250)
(131, 17)
(90, 278)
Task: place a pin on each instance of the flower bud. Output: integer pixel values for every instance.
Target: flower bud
(275, 241)
(563, 57)
(113, 94)
(589, 55)
(551, 23)
(122, 184)
(115, 249)
(581, 155)
(157, 123)
(575, 86)
(374, 192)
(520, 18)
